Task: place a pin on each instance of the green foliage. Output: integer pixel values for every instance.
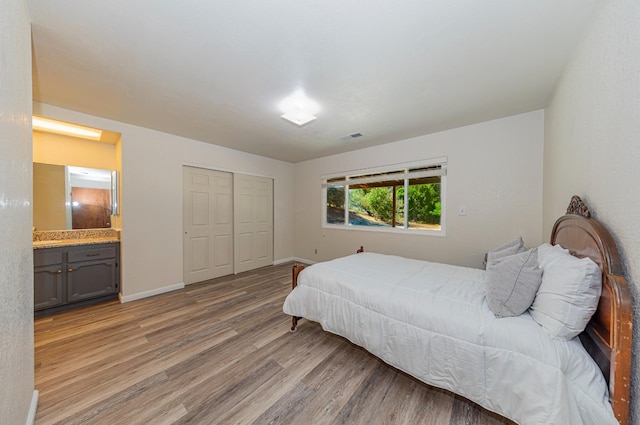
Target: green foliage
(359, 201)
(380, 203)
(335, 197)
(376, 202)
(424, 203)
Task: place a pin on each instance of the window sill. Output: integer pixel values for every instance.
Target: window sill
(383, 229)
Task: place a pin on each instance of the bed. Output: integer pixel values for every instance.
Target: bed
(433, 321)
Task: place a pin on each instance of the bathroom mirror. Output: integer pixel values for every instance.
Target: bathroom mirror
(67, 197)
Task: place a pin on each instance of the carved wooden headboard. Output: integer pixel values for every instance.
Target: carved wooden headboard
(608, 335)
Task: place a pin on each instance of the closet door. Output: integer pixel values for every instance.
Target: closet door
(253, 222)
(208, 224)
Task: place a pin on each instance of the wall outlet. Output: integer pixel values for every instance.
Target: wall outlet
(462, 210)
(315, 251)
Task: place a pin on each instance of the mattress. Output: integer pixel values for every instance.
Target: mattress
(432, 321)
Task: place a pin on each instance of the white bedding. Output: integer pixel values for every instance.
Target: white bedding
(432, 321)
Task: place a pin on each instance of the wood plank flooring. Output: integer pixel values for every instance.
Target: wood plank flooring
(220, 352)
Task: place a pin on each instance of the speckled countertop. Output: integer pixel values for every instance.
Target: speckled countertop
(58, 238)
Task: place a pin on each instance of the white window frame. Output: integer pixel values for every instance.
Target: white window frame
(403, 168)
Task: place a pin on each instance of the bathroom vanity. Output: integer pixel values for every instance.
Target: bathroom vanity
(77, 270)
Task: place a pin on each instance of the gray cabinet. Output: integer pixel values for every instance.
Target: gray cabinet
(70, 276)
(48, 279)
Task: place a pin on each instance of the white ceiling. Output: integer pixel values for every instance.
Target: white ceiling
(216, 70)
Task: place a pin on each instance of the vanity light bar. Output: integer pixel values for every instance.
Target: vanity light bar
(54, 126)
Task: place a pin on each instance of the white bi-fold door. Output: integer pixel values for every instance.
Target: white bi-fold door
(228, 223)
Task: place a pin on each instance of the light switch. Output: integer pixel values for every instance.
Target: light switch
(462, 210)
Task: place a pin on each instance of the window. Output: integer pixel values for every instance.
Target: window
(408, 197)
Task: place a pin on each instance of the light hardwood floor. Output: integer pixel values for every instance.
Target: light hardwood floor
(220, 352)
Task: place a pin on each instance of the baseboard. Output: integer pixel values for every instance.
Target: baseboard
(31, 418)
(285, 260)
(282, 261)
(303, 260)
(291, 260)
(150, 293)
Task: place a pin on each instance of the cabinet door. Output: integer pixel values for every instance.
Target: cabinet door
(90, 279)
(48, 286)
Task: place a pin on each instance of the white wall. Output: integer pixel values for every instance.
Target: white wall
(16, 251)
(592, 141)
(151, 197)
(494, 169)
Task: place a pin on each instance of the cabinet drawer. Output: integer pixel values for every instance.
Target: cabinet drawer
(47, 258)
(91, 254)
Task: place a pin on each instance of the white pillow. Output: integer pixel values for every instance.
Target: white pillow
(568, 295)
(542, 249)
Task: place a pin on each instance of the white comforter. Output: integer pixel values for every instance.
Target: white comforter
(432, 321)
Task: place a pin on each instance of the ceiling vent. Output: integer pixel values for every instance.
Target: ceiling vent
(351, 137)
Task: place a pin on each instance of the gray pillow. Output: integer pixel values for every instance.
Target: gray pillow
(512, 283)
(506, 249)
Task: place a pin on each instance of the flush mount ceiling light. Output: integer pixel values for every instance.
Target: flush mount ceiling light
(298, 116)
(54, 126)
(299, 109)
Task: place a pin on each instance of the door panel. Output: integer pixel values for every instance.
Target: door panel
(224, 251)
(199, 254)
(200, 209)
(253, 218)
(262, 245)
(245, 244)
(245, 207)
(224, 210)
(262, 209)
(208, 224)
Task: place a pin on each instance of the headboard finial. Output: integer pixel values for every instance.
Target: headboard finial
(577, 207)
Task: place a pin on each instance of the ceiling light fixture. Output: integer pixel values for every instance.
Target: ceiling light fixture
(54, 126)
(299, 109)
(298, 116)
